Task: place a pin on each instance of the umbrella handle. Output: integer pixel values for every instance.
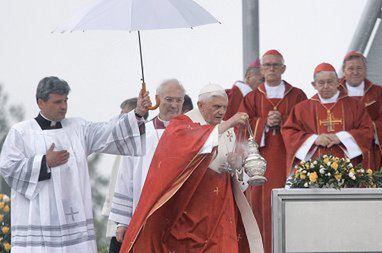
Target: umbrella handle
(157, 99)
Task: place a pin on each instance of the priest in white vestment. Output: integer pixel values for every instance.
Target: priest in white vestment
(133, 170)
(44, 161)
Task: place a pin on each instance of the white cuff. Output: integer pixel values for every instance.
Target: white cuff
(212, 141)
(352, 148)
(303, 152)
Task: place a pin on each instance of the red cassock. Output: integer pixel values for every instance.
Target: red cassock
(312, 117)
(235, 96)
(372, 101)
(257, 105)
(185, 207)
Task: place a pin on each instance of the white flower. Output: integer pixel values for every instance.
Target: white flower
(350, 165)
(328, 163)
(306, 185)
(328, 174)
(361, 170)
(315, 162)
(6, 198)
(321, 167)
(347, 160)
(322, 171)
(351, 175)
(308, 174)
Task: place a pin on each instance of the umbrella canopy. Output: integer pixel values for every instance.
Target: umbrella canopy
(135, 15)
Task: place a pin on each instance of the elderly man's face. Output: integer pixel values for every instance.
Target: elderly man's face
(326, 84)
(55, 108)
(213, 109)
(172, 99)
(355, 71)
(272, 67)
(254, 79)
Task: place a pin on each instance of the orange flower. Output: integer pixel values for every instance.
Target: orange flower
(313, 177)
(5, 230)
(334, 165)
(338, 176)
(2, 204)
(6, 209)
(369, 172)
(7, 247)
(1, 217)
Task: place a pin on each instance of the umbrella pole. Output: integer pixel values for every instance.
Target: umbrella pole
(140, 54)
(157, 100)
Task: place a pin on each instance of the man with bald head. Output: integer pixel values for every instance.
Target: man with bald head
(190, 201)
(358, 86)
(330, 123)
(268, 106)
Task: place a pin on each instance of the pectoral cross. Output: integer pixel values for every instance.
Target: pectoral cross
(229, 136)
(330, 122)
(216, 190)
(72, 213)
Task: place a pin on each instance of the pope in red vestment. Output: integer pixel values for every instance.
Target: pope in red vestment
(268, 106)
(329, 123)
(188, 204)
(358, 86)
(253, 78)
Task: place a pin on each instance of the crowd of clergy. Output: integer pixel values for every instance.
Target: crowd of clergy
(178, 183)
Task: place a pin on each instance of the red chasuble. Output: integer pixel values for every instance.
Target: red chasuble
(257, 105)
(372, 101)
(311, 117)
(185, 206)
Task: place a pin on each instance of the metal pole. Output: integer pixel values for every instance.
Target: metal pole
(140, 54)
(250, 31)
(369, 17)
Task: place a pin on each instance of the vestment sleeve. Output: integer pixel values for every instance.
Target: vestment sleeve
(122, 135)
(19, 171)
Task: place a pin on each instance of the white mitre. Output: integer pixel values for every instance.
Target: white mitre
(210, 88)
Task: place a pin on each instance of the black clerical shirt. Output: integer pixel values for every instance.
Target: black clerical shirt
(46, 124)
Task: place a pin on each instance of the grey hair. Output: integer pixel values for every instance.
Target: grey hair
(207, 96)
(131, 103)
(282, 59)
(315, 75)
(251, 71)
(51, 85)
(161, 87)
(352, 57)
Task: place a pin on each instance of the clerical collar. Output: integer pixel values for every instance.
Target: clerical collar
(329, 100)
(159, 123)
(47, 124)
(357, 91)
(275, 91)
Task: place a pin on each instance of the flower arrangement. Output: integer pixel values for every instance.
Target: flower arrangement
(332, 172)
(5, 222)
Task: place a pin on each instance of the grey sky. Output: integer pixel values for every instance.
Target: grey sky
(103, 67)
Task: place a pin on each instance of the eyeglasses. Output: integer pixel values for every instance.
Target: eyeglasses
(274, 65)
(177, 100)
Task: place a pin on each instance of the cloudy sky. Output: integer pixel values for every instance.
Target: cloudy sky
(103, 67)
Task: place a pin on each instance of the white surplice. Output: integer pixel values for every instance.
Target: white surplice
(131, 178)
(55, 215)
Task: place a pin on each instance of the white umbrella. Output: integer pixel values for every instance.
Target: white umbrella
(137, 15)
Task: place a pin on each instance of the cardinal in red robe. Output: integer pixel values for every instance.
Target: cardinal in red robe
(268, 106)
(253, 78)
(190, 202)
(358, 86)
(330, 122)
